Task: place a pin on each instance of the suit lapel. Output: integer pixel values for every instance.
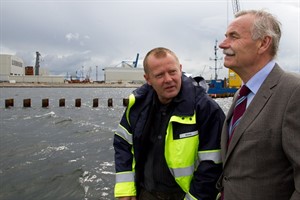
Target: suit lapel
(259, 101)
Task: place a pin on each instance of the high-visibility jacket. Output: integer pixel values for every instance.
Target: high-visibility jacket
(192, 142)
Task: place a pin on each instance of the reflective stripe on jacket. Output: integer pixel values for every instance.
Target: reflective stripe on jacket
(183, 161)
(125, 181)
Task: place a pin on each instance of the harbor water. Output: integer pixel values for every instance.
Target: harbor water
(61, 153)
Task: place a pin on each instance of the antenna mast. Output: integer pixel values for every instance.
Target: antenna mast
(96, 73)
(216, 60)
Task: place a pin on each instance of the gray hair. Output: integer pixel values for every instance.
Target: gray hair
(265, 24)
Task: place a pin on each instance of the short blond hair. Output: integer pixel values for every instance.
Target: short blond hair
(158, 52)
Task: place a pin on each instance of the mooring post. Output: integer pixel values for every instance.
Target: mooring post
(125, 102)
(45, 103)
(26, 103)
(77, 102)
(9, 103)
(95, 102)
(110, 102)
(62, 103)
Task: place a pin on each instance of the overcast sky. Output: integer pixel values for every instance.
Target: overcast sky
(74, 35)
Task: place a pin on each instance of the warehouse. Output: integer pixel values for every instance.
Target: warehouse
(123, 75)
(125, 72)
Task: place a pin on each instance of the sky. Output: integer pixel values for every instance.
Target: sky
(90, 35)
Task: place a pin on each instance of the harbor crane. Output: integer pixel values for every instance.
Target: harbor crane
(134, 63)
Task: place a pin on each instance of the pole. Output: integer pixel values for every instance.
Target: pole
(96, 73)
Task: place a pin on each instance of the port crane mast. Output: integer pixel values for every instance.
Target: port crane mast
(134, 63)
(216, 58)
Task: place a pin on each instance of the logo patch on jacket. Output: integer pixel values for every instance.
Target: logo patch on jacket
(189, 134)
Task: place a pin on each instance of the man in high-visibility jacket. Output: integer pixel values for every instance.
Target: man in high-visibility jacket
(167, 145)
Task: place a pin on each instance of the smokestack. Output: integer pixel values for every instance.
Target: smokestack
(37, 63)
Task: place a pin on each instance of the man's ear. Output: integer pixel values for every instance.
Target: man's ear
(146, 77)
(264, 44)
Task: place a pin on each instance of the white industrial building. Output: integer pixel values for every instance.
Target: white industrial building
(124, 74)
(10, 66)
(12, 70)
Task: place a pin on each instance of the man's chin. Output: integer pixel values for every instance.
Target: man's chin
(229, 66)
(171, 95)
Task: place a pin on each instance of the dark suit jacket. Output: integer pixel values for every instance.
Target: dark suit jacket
(262, 161)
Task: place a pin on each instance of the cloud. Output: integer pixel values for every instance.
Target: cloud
(72, 34)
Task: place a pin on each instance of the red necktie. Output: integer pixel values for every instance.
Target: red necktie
(239, 109)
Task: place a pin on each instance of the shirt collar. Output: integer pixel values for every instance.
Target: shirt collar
(257, 80)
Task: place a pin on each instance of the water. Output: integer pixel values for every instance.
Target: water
(60, 152)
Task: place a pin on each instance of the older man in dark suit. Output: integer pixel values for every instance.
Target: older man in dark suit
(260, 147)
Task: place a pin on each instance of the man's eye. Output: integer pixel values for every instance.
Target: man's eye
(158, 76)
(173, 72)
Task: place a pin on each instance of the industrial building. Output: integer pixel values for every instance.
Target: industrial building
(12, 70)
(10, 66)
(123, 74)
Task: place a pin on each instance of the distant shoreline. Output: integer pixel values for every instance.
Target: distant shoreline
(68, 85)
